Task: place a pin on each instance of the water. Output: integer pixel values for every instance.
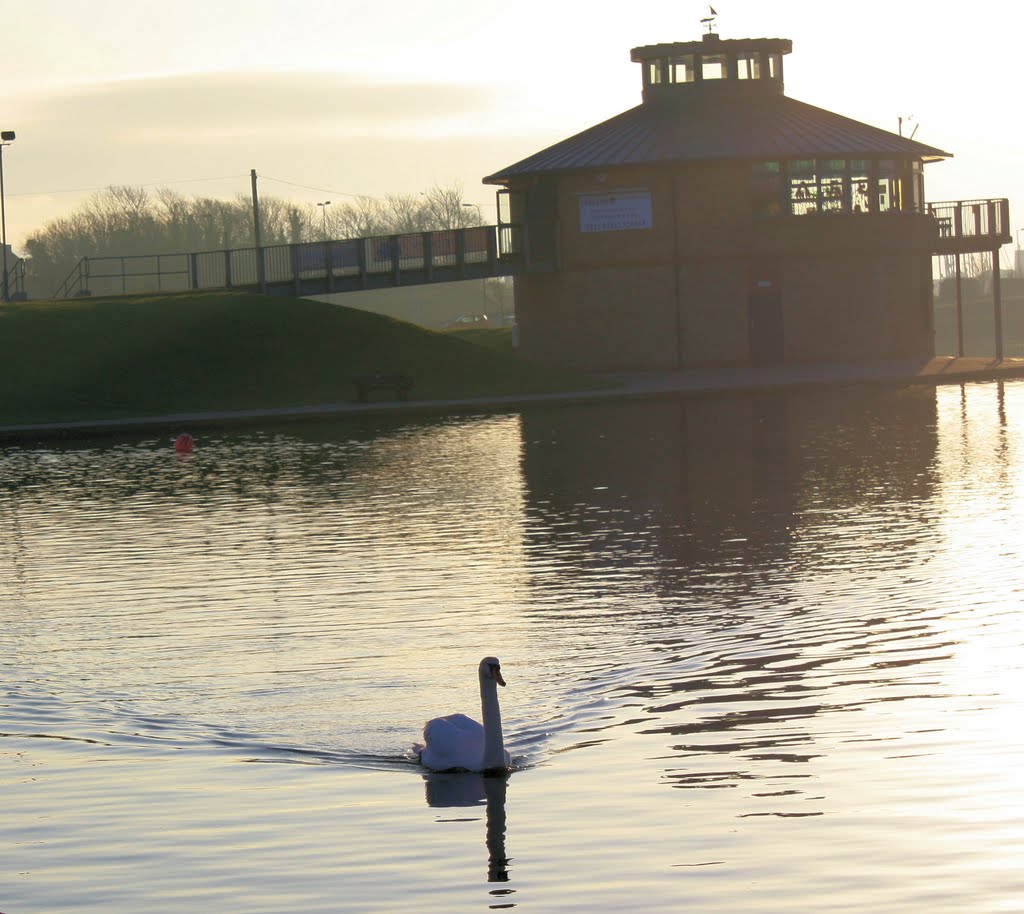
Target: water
(762, 653)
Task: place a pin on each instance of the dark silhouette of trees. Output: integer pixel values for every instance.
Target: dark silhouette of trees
(123, 221)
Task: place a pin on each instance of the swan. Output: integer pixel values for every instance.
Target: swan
(459, 743)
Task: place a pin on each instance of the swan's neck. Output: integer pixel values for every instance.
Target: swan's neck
(494, 742)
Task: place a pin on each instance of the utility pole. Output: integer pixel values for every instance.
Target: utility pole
(6, 138)
(261, 275)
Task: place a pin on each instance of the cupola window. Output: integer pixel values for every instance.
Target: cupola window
(748, 66)
(681, 69)
(714, 66)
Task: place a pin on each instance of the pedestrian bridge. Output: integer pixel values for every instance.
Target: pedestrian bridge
(387, 261)
(313, 268)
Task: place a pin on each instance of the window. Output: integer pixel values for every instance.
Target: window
(713, 66)
(681, 69)
(766, 188)
(888, 186)
(917, 185)
(831, 185)
(748, 66)
(860, 186)
(654, 73)
(775, 66)
(803, 187)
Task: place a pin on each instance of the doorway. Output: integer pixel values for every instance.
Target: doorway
(764, 316)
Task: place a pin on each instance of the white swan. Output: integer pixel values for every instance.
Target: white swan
(459, 743)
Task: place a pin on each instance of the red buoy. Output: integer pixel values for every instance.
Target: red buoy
(183, 444)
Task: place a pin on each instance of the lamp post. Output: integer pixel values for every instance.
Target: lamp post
(483, 282)
(323, 212)
(6, 138)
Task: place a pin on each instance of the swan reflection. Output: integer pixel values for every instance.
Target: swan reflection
(467, 790)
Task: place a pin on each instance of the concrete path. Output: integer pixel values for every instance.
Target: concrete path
(636, 385)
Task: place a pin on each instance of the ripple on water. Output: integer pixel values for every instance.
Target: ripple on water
(794, 622)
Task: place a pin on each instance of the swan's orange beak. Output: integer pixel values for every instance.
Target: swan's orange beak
(496, 673)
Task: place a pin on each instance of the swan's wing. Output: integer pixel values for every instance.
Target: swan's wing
(450, 742)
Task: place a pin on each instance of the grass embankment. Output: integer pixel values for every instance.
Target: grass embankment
(153, 355)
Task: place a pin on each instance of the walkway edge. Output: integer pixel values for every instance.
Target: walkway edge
(646, 385)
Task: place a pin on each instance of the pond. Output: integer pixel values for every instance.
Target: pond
(761, 652)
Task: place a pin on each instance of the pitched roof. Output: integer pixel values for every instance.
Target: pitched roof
(711, 127)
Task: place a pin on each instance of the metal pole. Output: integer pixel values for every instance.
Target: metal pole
(3, 224)
(997, 304)
(261, 276)
(959, 310)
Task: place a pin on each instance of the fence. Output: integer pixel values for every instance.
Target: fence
(971, 225)
(308, 268)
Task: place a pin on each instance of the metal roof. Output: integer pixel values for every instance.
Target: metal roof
(713, 126)
(711, 44)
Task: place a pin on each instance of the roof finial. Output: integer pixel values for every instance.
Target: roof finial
(709, 20)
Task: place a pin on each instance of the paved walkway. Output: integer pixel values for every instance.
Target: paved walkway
(635, 385)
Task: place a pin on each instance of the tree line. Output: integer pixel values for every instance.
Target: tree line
(122, 221)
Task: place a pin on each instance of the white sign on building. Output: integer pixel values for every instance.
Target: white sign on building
(616, 211)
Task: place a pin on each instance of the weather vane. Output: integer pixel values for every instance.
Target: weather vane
(709, 20)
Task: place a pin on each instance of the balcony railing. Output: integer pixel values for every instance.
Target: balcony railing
(967, 226)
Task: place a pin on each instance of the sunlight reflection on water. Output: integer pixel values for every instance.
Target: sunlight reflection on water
(759, 650)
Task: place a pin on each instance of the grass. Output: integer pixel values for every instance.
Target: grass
(151, 355)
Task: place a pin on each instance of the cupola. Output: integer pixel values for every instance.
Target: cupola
(741, 65)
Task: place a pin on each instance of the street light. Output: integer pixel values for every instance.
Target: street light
(6, 138)
(323, 209)
(483, 282)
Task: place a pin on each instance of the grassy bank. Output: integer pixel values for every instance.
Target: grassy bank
(145, 356)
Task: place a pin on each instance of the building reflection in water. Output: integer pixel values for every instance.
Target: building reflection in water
(750, 540)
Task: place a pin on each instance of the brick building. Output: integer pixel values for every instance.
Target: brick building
(720, 222)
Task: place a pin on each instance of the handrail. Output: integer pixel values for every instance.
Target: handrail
(973, 219)
(78, 273)
(429, 253)
(16, 280)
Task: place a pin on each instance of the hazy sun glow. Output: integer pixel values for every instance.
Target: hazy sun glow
(134, 95)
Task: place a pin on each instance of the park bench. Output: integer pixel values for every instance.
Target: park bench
(399, 383)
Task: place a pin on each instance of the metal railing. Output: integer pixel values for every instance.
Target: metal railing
(413, 257)
(973, 224)
(127, 275)
(16, 281)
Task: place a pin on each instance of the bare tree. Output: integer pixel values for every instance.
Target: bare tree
(447, 210)
(125, 221)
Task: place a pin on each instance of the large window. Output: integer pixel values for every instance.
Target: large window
(804, 187)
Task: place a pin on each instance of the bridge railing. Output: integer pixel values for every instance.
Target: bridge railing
(418, 254)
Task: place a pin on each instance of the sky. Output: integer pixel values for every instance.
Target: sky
(331, 98)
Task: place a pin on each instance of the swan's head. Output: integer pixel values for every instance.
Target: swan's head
(491, 669)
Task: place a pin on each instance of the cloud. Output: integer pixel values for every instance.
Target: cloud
(201, 133)
(231, 105)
